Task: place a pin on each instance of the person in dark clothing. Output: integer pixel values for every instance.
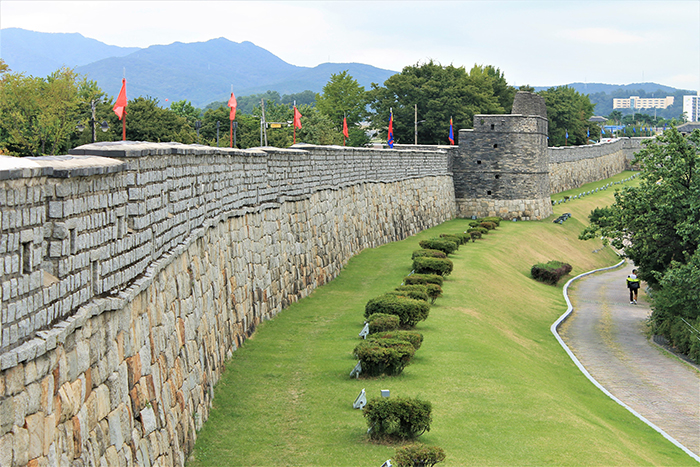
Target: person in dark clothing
(633, 284)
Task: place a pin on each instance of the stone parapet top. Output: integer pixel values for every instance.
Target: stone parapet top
(57, 166)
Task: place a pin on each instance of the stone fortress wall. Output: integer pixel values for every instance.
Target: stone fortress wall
(128, 281)
(573, 166)
(129, 272)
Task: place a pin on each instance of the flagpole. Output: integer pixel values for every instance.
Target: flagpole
(124, 119)
(230, 136)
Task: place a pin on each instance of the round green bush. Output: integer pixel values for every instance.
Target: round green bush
(550, 272)
(452, 238)
(445, 246)
(488, 225)
(395, 419)
(434, 291)
(418, 455)
(384, 356)
(426, 265)
(474, 234)
(423, 279)
(414, 294)
(379, 322)
(483, 230)
(426, 252)
(495, 219)
(408, 310)
(413, 337)
(464, 236)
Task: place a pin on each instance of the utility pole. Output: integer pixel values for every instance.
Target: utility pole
(415, 123)
(263, 123)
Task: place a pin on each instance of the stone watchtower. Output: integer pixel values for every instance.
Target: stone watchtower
(502, 166)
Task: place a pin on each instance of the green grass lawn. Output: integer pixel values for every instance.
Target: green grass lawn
(503, 391)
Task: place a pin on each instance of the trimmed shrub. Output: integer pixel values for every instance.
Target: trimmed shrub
(550, 272)
(474, 223)
(488, 225)
(384, 356)
(445, 246)
(452, 238)
(414, 294)
(379, 322)
(483, 230)
(397, 418)
(408, 310)
(495, 219)
(464, 236)
(434, 291)
(418, 455)
(412, 337)
(426, 265)
(423, 279)
(474, 234)
(426, 252)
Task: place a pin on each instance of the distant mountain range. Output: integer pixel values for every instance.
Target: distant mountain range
(592, 88)
(201, 72)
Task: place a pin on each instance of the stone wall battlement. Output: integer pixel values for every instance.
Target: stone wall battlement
(132, 271)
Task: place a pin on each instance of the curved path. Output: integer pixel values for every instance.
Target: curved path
(607, 335)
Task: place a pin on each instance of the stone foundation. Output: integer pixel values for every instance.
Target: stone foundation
(521, 209)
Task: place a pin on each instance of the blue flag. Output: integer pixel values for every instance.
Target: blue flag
(452, 134)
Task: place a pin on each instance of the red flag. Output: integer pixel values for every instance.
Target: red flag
(120, 106)
(345, 127)
(233, 104)
(452, 134)
(297, 118)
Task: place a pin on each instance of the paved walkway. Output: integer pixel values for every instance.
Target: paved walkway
(607, 335)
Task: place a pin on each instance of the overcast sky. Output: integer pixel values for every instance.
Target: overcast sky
(540, 43)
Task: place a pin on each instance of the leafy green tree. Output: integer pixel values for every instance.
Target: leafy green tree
(659, 221)
(568, 111)
(147, 121)
(343, 97)
(38, 116)
(490, 75)
(440, 92)
(615, 116)
(185, 109)
(658, 224)
(301, 98)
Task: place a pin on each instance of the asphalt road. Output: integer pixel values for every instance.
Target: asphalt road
(607, 335)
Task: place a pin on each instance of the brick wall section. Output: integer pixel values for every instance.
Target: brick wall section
(172, 258)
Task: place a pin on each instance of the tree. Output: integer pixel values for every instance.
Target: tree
(344, 97)
(658, 225)
(496, 79)
(185, 109)
(439, 92)
(615, 116)
(659, 221)
(147, 121)
(38, 116)
(568, 111)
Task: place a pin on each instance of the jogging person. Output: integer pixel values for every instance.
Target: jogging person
(633, 285)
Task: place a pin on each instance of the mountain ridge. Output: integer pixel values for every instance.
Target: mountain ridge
(200, 72)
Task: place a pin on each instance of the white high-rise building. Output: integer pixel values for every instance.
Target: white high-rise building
(636, 102)
(691, 107)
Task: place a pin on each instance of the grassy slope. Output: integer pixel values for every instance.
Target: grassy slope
(503, 391)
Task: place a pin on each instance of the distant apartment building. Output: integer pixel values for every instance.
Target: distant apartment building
(636, 102)
(691, 108)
